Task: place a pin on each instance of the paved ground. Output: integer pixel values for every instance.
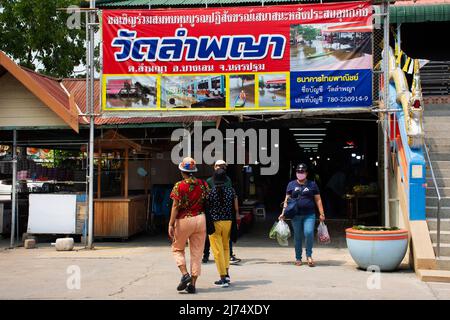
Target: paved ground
(144, 269)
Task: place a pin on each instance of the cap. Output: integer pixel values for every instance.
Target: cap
(302, 167)
(188, 165)
(220, 163)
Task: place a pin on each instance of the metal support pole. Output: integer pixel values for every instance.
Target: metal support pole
(13, 189)
(399, 36)
(91, 126)
(386, 115)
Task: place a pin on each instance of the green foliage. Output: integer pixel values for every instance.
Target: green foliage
(308, 33)
(364, 228)
(35, 33)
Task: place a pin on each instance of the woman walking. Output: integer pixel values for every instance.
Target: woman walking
(221, 199)
(187, 222)
(308, 198)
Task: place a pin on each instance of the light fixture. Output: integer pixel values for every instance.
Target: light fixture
(318, 157)
(328, 159)
(307, 129)
(353, 155)
(310, 158)
(358, 157)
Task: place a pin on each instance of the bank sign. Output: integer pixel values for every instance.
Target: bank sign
(238, 59)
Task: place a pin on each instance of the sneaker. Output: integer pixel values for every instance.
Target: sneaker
(185, 279)
(234, 260)
(190, 289)
(222, 283)
(205, 260)
(227, 278)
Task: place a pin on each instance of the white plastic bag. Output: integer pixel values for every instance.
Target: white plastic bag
(283, 233)
(322, 233)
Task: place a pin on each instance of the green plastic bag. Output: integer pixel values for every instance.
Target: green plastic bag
(273, 232)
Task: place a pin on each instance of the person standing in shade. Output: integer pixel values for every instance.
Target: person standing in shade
(187, 222)
(221, 199)
(308, 198)
(221, 164)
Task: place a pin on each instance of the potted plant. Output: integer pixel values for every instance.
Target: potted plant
(377, 246)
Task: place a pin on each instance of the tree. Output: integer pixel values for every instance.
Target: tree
(35, 34)
(308, 33)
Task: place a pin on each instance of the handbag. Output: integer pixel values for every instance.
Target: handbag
(210, 228)
(291, 209)
(234, 229)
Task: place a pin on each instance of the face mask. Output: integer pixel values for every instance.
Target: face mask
(301, 176)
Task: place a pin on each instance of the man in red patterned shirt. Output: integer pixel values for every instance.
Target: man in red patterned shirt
(187, 222)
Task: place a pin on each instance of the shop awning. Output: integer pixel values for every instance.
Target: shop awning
(419, 13)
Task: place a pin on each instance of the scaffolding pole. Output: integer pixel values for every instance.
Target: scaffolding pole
(13, 190)
(385, 6)
(91, 69)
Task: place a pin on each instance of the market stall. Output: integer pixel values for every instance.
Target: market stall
(117, 213)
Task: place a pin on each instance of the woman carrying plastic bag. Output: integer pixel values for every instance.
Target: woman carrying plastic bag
(307, 196)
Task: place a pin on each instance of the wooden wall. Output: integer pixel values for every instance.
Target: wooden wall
(21, 108)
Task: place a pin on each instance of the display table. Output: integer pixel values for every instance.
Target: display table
(353, 211)
(119, 217)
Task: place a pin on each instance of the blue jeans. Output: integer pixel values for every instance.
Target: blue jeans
(303, 226)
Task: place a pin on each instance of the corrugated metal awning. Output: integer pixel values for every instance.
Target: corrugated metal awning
(419, 13)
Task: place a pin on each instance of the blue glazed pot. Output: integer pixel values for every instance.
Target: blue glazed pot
(384, 249)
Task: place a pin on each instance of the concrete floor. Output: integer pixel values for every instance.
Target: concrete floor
(143, 268)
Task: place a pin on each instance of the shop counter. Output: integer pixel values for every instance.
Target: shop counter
(120, 217)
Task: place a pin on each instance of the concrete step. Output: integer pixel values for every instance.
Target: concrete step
(431, 191)
(439, 156)
(443, 263)
(429, 119)
(441, 132)
(432, 212)
(439, 148)
(434, 275)
(436, 112)
(432, 224)
(439, 173)
(439, 164)
(433, 202)
(445, 249)
(445, 236)
(441, 182)
(436, 106)
(431, 140)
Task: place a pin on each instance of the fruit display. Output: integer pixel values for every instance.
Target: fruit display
(365, 189)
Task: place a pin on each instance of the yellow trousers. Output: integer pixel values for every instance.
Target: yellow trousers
(220, 246)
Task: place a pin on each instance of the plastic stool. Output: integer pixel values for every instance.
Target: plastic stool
(260, 213)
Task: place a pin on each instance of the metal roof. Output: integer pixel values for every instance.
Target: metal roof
(190, 3)
(404, 11)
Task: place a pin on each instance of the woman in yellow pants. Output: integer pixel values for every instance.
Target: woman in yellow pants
(221, 199)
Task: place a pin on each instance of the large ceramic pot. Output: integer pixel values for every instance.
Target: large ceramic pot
(385, 249)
